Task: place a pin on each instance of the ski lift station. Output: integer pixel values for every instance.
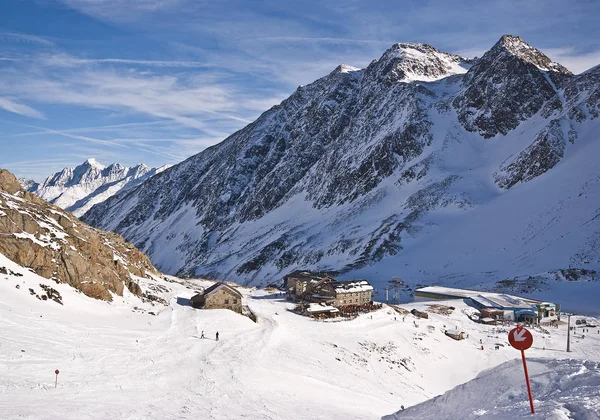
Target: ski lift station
(508, 307)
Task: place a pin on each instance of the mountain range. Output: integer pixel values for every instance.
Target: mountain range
(78, 189)
(423, 165)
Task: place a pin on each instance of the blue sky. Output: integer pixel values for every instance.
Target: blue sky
(157, 81)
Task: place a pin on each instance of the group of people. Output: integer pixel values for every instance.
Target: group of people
(216, 335)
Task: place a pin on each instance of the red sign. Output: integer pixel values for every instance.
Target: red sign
(520, 338)
(56, 371)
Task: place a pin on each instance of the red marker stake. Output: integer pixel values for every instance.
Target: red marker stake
(521, 339)
(527, 380)
(56, 382)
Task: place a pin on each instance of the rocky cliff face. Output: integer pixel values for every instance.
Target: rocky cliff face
(352, 169)
(78, 189)
(57, 246)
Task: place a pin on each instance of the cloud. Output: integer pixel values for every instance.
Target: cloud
(17, 108)
(19, 38)
(64, 60)
(327, 40)
(186, 98)
(118, 10)
(571, 59)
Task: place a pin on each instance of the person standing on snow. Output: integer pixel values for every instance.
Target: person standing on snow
(217, 335)
(202, 335)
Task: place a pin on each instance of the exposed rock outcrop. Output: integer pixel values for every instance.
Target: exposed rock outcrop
(57, 246)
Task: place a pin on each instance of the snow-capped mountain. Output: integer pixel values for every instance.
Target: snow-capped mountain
(28, 184)
(78, 189)
(423, 165)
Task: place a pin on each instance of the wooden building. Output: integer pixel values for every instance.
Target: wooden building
(219, 296)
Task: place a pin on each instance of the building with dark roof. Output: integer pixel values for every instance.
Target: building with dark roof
(219, 296)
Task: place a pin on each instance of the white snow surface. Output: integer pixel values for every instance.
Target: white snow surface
(562, 389)
(117, 361)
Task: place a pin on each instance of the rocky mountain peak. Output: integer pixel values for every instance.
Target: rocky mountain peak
(516, 46)
(407, 62)
(509, 84)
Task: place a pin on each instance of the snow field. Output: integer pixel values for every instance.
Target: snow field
(118, 362)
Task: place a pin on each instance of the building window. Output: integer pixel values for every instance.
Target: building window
(234, 300)
(226, 301)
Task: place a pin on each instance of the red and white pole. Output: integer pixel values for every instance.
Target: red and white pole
(56, 381)
(527, 381)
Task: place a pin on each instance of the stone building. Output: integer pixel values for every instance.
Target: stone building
(345, 293)
(219, 296)
(302, 283)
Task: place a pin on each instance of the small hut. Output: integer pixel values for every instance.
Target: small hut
(420, 314)
(455, 334)
(219, 296)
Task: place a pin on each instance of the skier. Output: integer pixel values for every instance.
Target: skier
(217, 335)
(202, 335)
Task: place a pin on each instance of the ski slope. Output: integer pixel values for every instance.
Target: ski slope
(562, 389)
(117, 361)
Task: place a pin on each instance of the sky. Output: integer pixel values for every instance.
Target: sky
(157, 81)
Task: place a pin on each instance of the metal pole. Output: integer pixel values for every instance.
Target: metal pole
(527, 380)
(568, 333)
(387, 295)
(56, 381)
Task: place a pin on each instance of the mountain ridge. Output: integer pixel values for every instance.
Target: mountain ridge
(353, 169)
(77, 189)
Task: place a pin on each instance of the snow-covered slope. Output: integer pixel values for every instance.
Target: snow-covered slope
(562, 389)
(413, 167)
(134, 359)
(78, 189)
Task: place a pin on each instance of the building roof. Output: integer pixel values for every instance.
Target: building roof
(351, 286)
(217, 286)
(485, 299)
(454, 332)
(317, 307)
(307, 275)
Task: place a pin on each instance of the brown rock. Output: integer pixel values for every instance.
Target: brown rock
(57, 245)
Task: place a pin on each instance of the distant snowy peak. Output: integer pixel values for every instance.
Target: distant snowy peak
(28, 184)
(408, 62)
(78, 189)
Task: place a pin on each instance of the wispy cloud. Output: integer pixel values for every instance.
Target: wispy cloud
(19, 38)
(21, 109)
(575, 61)
(64, 60)
(328, 40)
